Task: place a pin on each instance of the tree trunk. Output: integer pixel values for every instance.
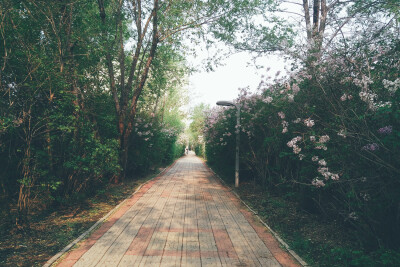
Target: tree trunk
(126, 111)
(27, 180)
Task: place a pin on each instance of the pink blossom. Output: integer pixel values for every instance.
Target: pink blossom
(318, 183)
(309, 123)
(268, 99)
(292, 143)
(335, 177)
(324, 172)
(386, 130)
(295, 88)
(296, 149)
(281, 115)
(324, 139)
(371, 147)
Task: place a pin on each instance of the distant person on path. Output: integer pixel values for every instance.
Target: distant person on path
(186, 150)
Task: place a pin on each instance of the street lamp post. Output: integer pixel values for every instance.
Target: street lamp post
(229, 103)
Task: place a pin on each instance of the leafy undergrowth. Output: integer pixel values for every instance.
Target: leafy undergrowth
(49, 233)
(319, 242)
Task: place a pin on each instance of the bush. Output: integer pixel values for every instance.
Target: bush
(329, 135)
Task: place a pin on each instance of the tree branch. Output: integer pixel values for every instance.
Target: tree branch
(307, 18)
(110, 67)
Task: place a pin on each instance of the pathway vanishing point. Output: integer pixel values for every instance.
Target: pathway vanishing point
(184, 217)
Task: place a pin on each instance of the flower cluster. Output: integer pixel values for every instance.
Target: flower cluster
(342, 133)
(391, 86)
(285, 125)
(298, 120)
(345, 97)
(268, 99)
(318, 183)
(309, 123)
(323, 139)
(293, 144)
(321, 142)
(324, 171)
(371, 147)
(385, 130)
(353, 216)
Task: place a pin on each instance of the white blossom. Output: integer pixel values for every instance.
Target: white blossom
(391, 86)
(353, 216)
(342, 133)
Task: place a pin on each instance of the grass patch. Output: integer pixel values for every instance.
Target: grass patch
(50, 232)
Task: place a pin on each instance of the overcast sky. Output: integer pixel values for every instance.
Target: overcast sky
(224, 82)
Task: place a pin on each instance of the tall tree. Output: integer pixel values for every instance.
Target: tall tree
(305, 29)
(153, 22)
(48, 61)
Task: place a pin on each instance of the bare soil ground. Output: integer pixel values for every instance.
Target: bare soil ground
(49, 233)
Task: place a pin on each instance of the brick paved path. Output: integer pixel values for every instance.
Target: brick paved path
(182, 218)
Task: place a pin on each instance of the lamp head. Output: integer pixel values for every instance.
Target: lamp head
(226, 103)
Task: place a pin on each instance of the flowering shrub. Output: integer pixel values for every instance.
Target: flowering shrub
(329, 133)
(154, 143)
